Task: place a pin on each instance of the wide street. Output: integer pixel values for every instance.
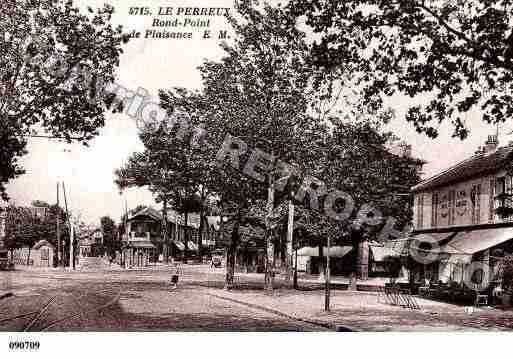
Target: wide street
(109, 299)
(129, 301)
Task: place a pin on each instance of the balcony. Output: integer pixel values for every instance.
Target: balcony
(139, 236)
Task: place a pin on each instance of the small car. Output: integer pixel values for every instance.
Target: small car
(217, 261)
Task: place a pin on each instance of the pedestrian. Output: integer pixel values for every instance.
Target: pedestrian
(177, 271)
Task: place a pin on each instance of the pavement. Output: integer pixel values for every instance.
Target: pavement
(143, 300)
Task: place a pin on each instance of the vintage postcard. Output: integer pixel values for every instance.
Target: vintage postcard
(255, 166)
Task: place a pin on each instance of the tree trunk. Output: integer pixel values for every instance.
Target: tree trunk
(269, 264)
(355, 241)
(230, 257)
(28, 257)
(165, 236)
(200, 233)
(320, 264)
(363, 260)
(202, 214)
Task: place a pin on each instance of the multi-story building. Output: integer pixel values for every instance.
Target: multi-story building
(143, 241)
(466, 213)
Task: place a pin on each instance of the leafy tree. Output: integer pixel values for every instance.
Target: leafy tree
(455, 55)
(24, 228)
(109, 231)
(54, 63)
(174, 170)
(258, 92)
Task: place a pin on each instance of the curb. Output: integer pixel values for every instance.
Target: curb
(337, 328)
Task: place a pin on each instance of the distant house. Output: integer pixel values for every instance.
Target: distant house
(143, 241)
(40, 255)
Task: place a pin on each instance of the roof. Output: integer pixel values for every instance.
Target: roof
(172, 216)
(149, 212)
(472, 167)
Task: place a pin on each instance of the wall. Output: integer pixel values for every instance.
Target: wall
(38, 258)
(454, 206)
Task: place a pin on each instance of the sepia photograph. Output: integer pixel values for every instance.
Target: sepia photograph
(251, 167)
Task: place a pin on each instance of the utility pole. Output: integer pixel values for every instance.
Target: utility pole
(59, 256)
(71, 264)
(290, 238)
(327, 284)
(295, 286)
(164, 230)
(71, 239)
(269, 263)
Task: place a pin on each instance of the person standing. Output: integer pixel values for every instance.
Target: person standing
(177, 271)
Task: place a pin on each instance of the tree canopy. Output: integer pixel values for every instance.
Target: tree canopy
(452, 57)
(54, 63)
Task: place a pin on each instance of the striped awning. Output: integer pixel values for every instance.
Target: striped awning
(179, 245)
(380, 253)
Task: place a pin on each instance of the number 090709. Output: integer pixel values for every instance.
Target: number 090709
(26, 345)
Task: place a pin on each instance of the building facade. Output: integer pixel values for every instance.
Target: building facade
(465, 213)
(144, 244)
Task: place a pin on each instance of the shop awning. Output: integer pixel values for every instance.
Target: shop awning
(380, 253)
(141, 245)
(428, 238)
(418, 242)
(179, 245)
(470, 242)
(397, 247)
(335, 252)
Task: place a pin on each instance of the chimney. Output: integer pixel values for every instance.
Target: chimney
(491, 144)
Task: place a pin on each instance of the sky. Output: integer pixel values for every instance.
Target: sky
(88, 172)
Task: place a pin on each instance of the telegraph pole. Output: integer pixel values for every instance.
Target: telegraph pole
(71, 246)
(71, 264)
(59, 257)
(327, 284)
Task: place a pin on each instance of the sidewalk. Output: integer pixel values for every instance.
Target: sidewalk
(360, 311)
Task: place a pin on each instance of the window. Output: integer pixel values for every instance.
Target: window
(434, 210)
(502, 199)
(420, 210)
(452, 206)
(475, 198)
